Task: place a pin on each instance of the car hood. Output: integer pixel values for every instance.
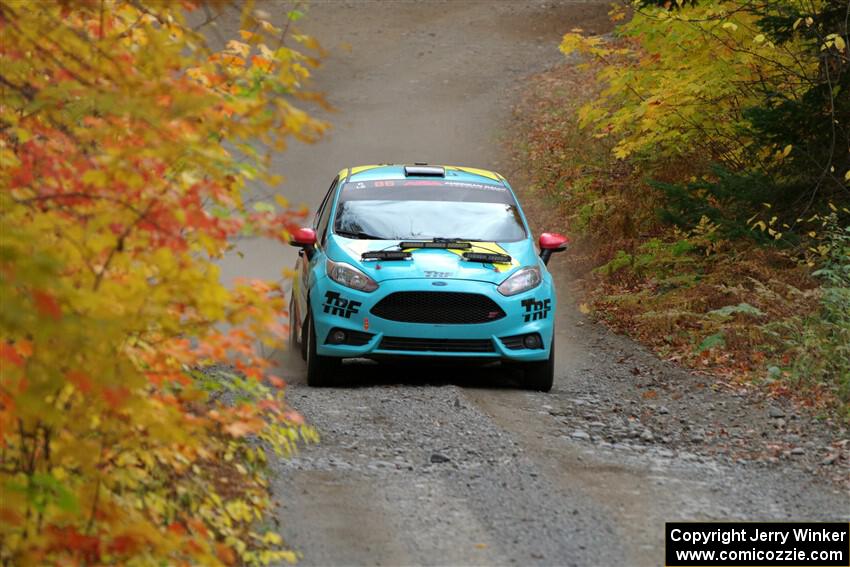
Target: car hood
(432, 263)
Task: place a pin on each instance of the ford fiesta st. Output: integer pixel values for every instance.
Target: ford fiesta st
(423, 261)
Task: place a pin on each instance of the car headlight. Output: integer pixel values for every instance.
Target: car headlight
(349, 276)
(521, 280)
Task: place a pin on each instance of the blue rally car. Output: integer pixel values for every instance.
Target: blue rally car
(423, 261)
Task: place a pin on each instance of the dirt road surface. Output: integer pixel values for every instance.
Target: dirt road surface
(440, 465)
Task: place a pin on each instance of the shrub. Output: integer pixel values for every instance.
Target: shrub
(816, 347)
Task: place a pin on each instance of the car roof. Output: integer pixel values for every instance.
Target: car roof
(396, 171)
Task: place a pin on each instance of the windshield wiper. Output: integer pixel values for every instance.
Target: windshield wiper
(358, 234)
(450, 240)
(487, 258)
(456, 243)
(386, 255)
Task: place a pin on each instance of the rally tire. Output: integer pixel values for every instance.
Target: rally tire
(322, 371)
(540, 375)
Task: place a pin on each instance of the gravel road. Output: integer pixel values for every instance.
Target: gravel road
(439, 465)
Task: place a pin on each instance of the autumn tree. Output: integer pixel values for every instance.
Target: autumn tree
(126, 144)
(749, 99)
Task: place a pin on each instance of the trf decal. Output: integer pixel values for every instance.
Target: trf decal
(535, 310)
(336, 305)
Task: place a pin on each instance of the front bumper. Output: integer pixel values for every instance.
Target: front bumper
(335, 307)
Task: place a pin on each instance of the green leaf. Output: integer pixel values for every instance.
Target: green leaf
(712, 341)
(741, 308)
(44, 489)
(263, 207)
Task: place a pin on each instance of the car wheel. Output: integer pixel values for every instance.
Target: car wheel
(321, 370)
(541, 375)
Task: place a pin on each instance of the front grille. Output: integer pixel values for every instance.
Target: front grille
(436, 345)
(446, 307)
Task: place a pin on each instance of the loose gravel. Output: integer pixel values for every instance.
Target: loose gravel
(460, 488)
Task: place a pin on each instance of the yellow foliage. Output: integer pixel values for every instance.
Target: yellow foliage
(684, 85)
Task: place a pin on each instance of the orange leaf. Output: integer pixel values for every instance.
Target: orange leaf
(47, 304)
(69, 539)
(242, 428)
(24, 347)
(198, 527)
(8, 353)
(79, 379)
(115, 397)
(225, 553)
(124, 544)
(294, 417)
(10, 517)
(261, 62)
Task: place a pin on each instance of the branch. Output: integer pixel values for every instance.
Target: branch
(28, 91)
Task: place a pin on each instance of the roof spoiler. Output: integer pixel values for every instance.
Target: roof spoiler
(424, 170)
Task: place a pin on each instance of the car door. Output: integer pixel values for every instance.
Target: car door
(305, 267)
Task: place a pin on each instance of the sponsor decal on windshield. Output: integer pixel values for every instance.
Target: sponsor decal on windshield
(469, 185)
(445, 184)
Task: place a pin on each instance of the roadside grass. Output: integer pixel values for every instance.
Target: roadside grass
(745, 312)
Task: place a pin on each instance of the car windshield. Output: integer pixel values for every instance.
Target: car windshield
(408, 209)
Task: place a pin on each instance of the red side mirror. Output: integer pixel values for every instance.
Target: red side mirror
(303, 237)
(551, 242)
